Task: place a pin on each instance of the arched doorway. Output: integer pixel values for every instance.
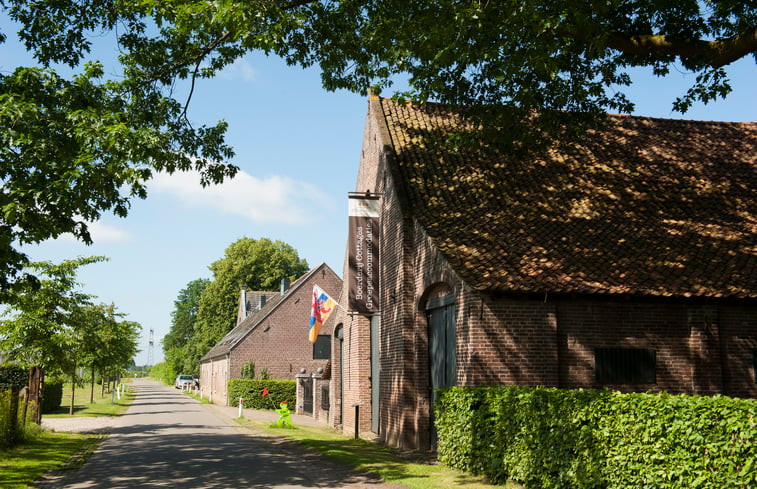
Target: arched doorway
(442, 343)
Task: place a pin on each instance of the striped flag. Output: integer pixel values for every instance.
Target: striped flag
(323, 306)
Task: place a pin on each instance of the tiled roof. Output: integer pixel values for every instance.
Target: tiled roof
(645, 206)
(256, 317)
(252, 299)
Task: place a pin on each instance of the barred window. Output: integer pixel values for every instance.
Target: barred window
(625, 365)
(322, 347)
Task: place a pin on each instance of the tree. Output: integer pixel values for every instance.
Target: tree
(44, 322)
(106, 342)
(73, 148)
(68, 146)
(183, 319)
(257, 264)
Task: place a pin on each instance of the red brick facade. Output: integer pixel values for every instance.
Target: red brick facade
(274, 338)
(703, 346)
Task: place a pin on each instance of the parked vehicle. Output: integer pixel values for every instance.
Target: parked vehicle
(184, 381)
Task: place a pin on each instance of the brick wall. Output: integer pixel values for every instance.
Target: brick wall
(700, 349)
(352, 386)
(738, 329)
(279, 343)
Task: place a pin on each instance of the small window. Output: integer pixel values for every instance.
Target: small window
(625, 365)
(322, 347)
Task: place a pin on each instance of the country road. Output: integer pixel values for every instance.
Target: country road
(167, 439)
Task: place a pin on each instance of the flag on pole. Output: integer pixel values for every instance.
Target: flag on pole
(323, 306)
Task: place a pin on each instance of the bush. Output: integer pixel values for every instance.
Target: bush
(163, 372)
(551, 438)
(9, 423)
(52, 395)
(251, 391)
(13, 376)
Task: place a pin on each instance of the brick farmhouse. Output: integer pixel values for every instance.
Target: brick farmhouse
(272, 332)
(627, 259)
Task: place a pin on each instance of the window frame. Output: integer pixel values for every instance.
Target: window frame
(625, 365)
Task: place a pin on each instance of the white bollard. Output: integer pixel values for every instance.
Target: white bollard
(240, 408)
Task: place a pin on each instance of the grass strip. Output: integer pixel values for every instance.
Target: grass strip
(411, 469)
(102, 405)
(45, 452)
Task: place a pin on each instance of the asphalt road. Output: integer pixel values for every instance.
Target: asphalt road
(167, 439)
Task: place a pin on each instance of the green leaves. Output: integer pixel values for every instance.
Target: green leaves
(552, 438)
(251, 390)
(73, 148)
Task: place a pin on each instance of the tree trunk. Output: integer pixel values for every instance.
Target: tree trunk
(92, 385)
(73, 391)
(26, 397)
(13, 417)
(38, 414)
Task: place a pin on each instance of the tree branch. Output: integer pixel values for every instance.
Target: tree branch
(714, 53)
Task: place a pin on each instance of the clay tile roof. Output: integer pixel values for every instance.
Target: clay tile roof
(645, 206)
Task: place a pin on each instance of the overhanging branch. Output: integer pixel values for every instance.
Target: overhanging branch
(714, 53)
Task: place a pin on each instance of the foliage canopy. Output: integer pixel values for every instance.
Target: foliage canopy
(71, 149)
(258, 264)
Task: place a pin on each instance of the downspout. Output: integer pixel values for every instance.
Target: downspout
(226, 382)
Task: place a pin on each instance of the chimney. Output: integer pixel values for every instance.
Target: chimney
(261, 301)
(284, 285)
(243, 302)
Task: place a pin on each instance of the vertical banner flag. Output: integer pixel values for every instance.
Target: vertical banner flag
(363, 252)
(323, 306)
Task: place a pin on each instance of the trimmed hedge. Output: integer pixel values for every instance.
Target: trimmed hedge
(552, 438)
(9, 422)
(52, 395)
(13, 376)
(251, 391)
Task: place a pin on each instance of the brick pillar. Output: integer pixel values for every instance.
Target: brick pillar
(705, 351)
(301, 378)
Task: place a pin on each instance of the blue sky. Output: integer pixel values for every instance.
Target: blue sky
(298, 149)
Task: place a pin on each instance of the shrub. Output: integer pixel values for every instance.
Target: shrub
(251, 391)
(8, 419)
(13, 376)
(163, 372)
(551, 438)
(248, 370)
(52, 395)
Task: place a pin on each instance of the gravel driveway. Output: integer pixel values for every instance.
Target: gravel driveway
(81, 424)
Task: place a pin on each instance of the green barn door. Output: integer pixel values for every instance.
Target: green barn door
(442, 343)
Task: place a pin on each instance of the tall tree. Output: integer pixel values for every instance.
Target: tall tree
(74, 147)
(70, 146)
(258, 264)
(183, 319)
(107, 341)
(43, 323)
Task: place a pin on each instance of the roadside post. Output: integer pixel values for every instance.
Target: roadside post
(239, 415)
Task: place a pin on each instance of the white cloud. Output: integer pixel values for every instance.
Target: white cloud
(100, 233)
(277, 198)
(240, 69)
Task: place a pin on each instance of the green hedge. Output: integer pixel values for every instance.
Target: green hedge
(9, 422)
(251, 391)
(551, 438)
(13, 376)
(52, 395)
